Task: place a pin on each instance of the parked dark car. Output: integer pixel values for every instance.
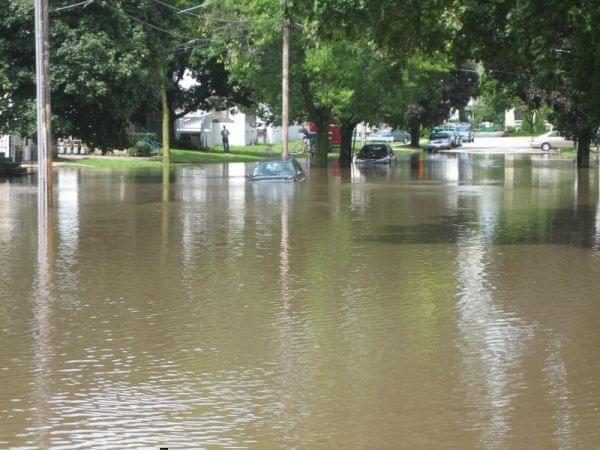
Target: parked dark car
(375, 154)
(388, 135)
(440, 141)
(288, 170)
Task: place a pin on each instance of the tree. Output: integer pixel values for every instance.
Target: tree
(99, 70)
(110, 66)
(551, 48)
(434, 88)
(335, 49)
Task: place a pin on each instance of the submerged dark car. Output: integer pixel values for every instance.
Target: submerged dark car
(375, 154)
(288, 170)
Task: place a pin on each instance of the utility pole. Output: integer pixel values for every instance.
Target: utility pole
(285, 88)
(42, 76)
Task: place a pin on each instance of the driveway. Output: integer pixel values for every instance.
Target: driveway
(496, 145)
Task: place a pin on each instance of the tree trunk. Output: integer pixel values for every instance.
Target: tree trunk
(172, 120)
(415, 135)
(529, 121)
(322, 144)
(584, 138)
(346, 134)
(320, 116)
(166, 124)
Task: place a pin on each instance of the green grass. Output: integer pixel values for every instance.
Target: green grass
(112, 163)
(568, 152)
(237, 154)
(525, 133)
(251, 153)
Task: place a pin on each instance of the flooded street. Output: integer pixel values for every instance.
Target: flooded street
(450, 301)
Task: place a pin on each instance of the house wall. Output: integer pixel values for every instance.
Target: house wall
(4, 145)
(243, 128)
(17, 149)
(510, 119)
(274, 134)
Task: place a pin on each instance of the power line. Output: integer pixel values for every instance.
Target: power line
(148, 24)
(176, 9)
(85, 3)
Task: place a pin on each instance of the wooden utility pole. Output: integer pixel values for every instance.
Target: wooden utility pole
(42, 76)
(285, 89)
(166, 126)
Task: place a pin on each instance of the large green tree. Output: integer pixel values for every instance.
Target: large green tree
(111, 63)
(339, 51)
(100, 71)
(550, 47)
(434, 87)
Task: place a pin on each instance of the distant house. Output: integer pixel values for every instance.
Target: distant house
(513, 118)
(17, 149)
(203, 128)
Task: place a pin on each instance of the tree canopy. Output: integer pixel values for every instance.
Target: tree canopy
(401, 62)
(545, 53)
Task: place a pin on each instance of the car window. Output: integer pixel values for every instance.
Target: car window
(274, 168)
(373, 152)
(439, 136)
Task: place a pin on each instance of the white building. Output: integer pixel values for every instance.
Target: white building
(513, 118)
(17, 149)
(204, 129)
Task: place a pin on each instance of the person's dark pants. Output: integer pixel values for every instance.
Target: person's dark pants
(226, 145)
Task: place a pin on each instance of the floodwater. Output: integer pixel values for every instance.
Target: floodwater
(447, 302)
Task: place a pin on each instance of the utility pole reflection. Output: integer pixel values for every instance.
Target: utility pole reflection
(42, 323)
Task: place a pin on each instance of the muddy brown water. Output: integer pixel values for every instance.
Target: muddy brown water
(446, 302)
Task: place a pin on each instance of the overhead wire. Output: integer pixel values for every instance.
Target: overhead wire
(84, 3)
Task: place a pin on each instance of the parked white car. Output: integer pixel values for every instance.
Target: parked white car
(550, 140)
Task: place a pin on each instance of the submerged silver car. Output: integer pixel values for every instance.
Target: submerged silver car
(288, 170)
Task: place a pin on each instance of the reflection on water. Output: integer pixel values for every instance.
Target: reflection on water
(445, 301)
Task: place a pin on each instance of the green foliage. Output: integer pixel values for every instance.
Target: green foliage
(133, 138)
(141, 148)
(547, 53)
(108, 61)
(347, 57)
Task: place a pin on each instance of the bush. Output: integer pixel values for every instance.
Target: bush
(511, 130)
(140, 148)
(134, 138)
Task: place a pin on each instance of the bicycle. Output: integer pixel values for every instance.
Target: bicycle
(302, 146)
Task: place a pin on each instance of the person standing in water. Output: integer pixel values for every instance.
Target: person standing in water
(225, 137)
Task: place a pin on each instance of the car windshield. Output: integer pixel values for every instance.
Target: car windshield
(435, 136)
(373, 152)
(274, 169)
(463, 128)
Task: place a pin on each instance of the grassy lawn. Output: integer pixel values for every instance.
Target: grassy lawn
(251, 153)
(112, 163)
(179, 156)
